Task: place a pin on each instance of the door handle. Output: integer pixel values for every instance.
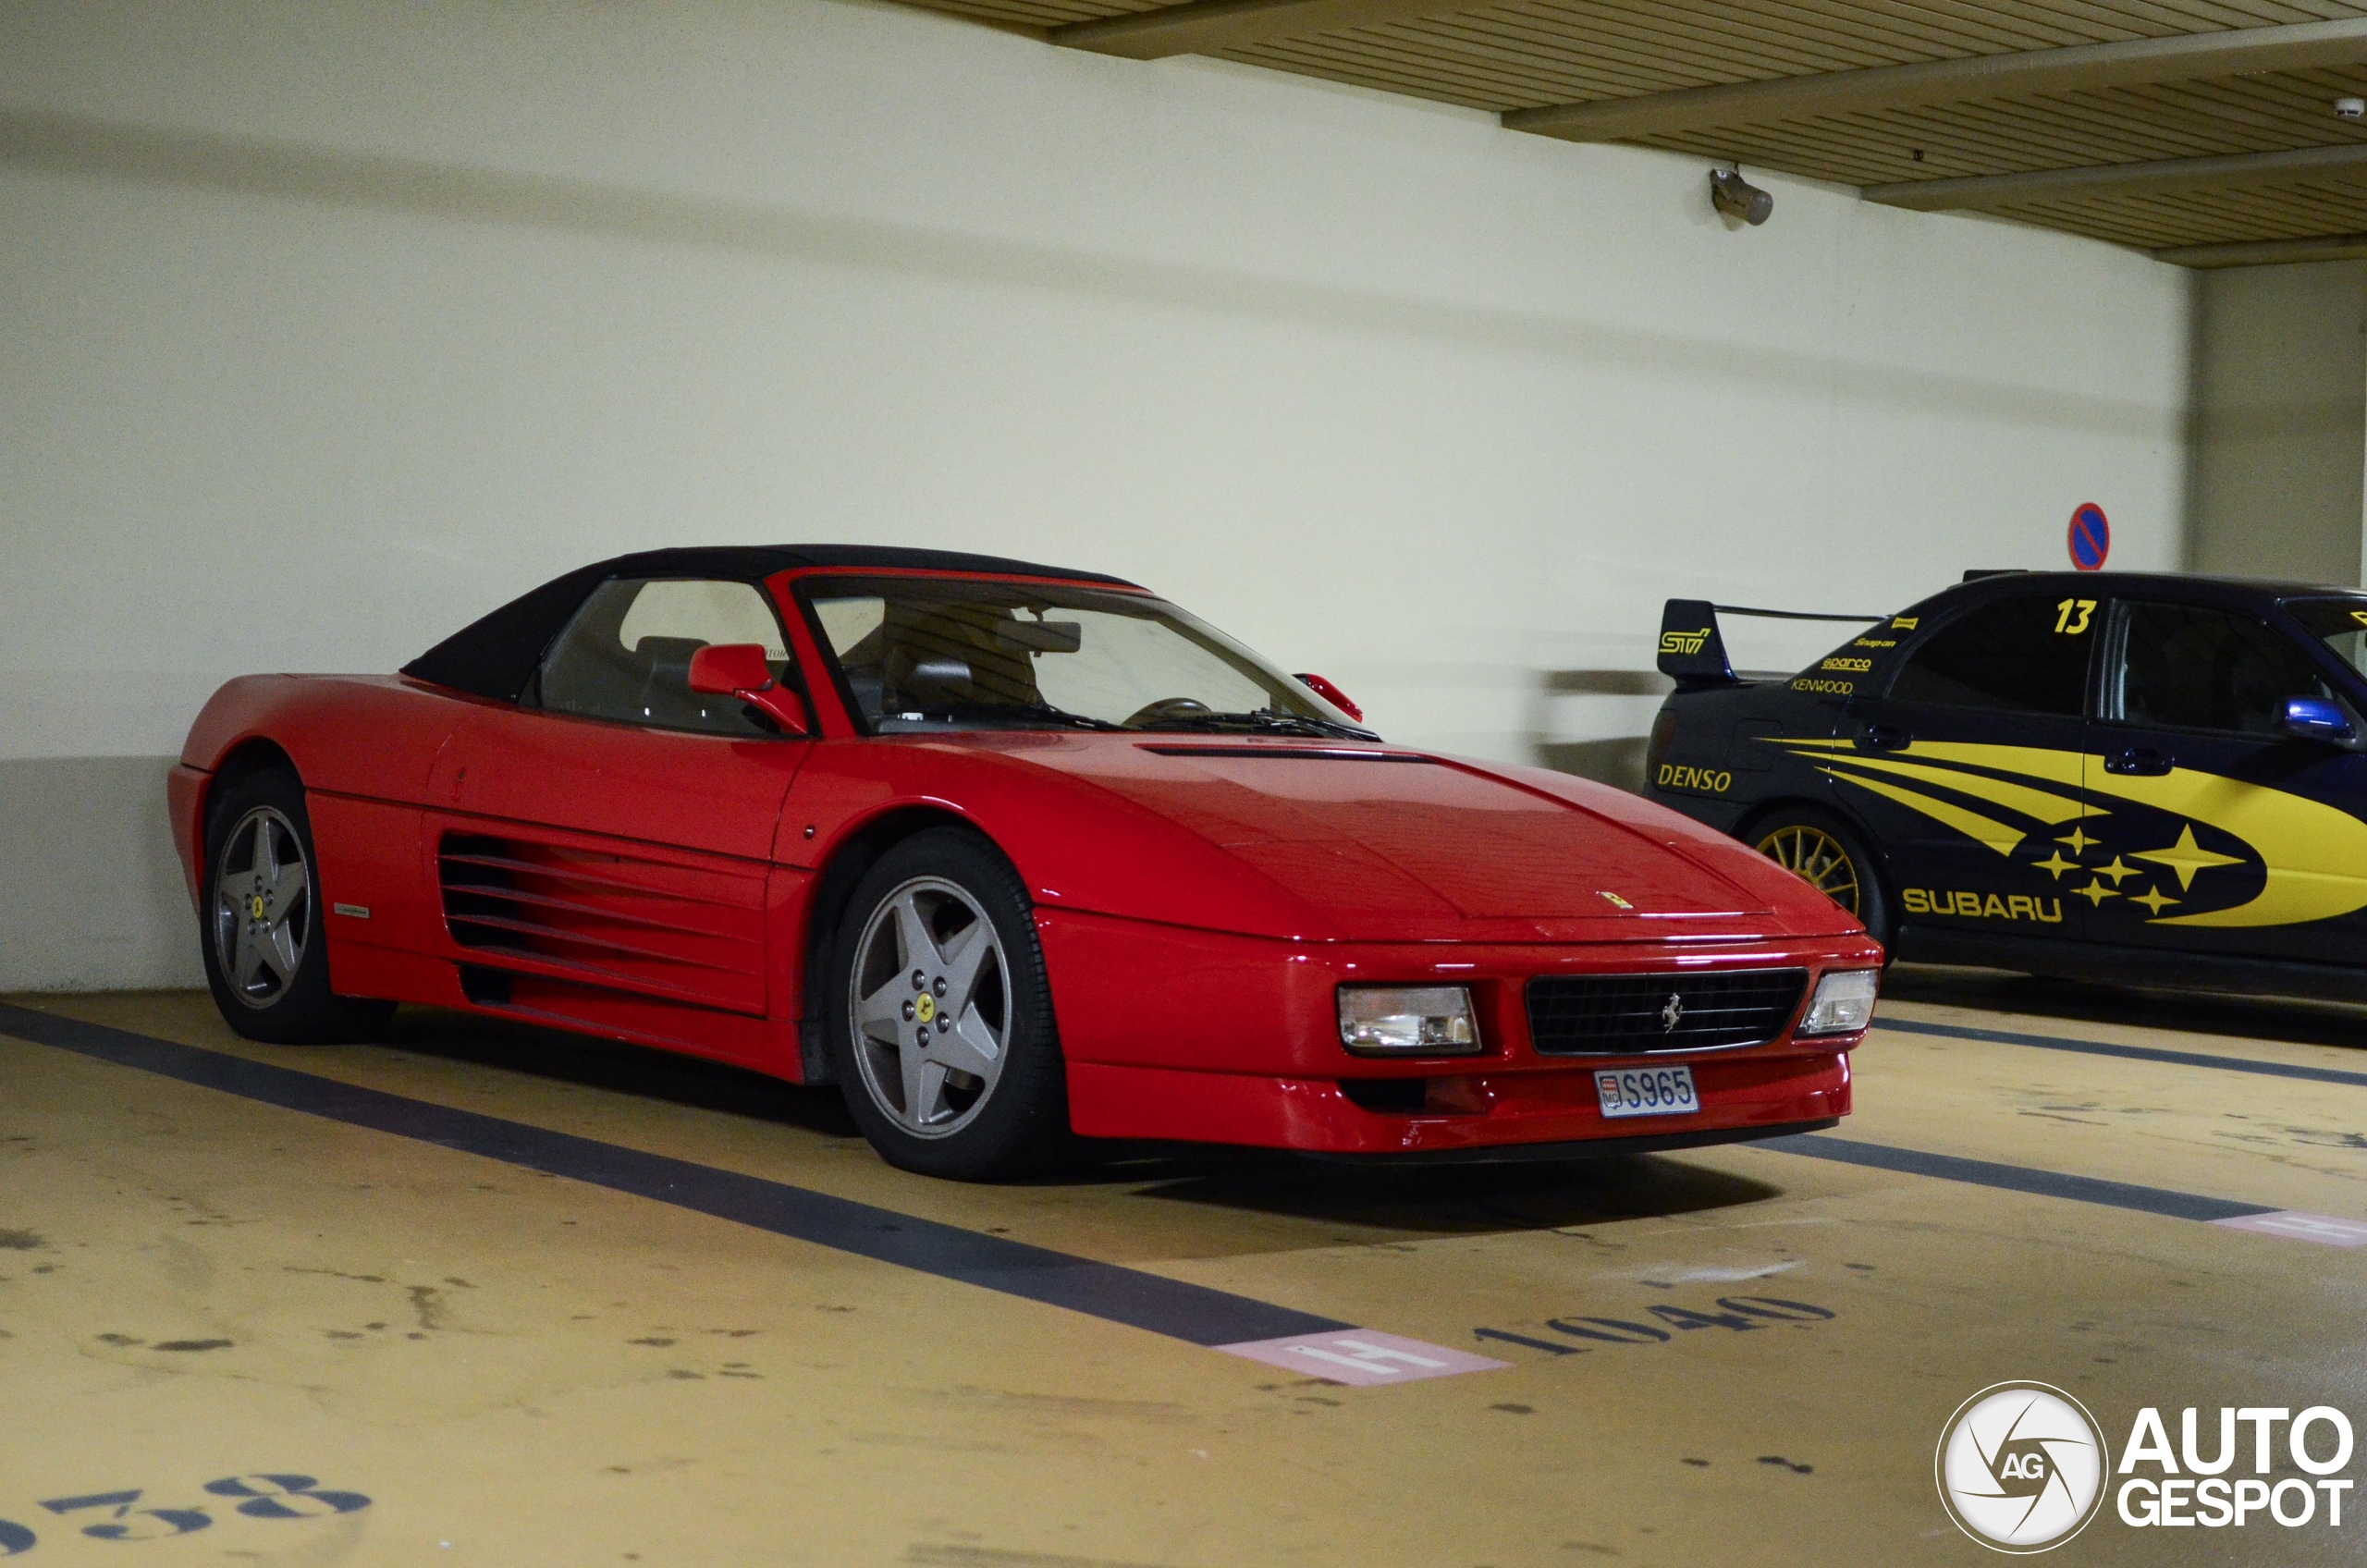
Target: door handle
(2142, 760)
(1883, 738)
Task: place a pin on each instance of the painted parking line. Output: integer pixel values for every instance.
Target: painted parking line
(2017, 1178)
(2290, 1224)
(1279, 1336)
(2127, 1053)
(1195, 1314)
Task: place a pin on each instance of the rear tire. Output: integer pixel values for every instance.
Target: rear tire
(265, 939)
(940, 1014)
(1831, 856)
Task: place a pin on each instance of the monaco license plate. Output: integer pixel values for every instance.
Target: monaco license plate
(1646, 1091)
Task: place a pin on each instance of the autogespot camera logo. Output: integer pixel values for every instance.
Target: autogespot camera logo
(2021, 1467)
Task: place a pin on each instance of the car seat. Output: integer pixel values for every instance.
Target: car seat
(940, 654)
(666, 697)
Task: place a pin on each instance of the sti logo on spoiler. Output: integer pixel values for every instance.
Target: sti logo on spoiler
(1684, 641)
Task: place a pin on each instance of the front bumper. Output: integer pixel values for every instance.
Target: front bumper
(1173, 1033)
(1740, 1099)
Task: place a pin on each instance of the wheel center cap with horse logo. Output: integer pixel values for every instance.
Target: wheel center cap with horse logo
(924, 1007)
(255, 906)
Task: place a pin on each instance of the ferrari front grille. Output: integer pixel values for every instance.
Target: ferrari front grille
(1642, 1014)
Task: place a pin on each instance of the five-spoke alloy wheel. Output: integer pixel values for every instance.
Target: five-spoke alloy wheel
(262, 906)
(941, 1019)
(266, 944)
(932, 1007)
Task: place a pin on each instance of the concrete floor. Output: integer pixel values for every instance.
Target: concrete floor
(517, 1368)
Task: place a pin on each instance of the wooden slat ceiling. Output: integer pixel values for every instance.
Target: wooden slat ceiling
(1539, 54)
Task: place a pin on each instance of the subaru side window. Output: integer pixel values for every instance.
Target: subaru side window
(626, 656)
(2026, 654)
(2187, 667)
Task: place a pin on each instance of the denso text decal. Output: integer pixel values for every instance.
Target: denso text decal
(1700, 780)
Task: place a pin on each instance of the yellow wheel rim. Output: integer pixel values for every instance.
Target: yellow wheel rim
(1817, 858)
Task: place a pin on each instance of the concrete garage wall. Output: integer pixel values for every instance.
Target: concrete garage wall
(2280, 422)
(330, 326)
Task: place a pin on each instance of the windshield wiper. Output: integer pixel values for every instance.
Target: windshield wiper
(1263, 721)
(1021, 714)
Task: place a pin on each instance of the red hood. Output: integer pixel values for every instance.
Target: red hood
(1383, 841)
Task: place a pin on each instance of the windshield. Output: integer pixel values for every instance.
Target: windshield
(931, 654)
(2340, 624)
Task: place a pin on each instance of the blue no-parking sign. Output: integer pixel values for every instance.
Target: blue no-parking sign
(2090, 537)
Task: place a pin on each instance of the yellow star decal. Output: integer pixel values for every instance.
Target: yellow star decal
(2057, 864)
(2118, 869)
(2186, 857)
(2095, 892)
(2079, 840)
(2151, 899)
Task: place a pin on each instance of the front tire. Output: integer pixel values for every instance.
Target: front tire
(941, 1023)
(265, 946)
(1828, 854)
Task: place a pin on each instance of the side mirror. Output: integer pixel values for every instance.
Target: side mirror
(2314, 718)
(1330, 694)
(739, 670)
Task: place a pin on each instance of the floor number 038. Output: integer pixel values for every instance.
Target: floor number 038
(120, 1516)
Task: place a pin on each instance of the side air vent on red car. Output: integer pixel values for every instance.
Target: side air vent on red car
(1641, 1014)
(668, 930)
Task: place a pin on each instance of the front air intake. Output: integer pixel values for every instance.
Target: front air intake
(1646, 1014)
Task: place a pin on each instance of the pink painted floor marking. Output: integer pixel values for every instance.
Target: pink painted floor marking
(1361, 1357)
(2295, 1225)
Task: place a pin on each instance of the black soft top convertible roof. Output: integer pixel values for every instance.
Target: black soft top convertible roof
(495, 656)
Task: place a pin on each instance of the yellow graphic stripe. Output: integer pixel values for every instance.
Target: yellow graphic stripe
(1972, 825)
(2041, 804)
(2316, 854)
(2040, 763)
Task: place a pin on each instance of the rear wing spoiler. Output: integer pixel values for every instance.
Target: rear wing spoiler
(1692, 651)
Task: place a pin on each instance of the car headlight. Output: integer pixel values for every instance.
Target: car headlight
(1844, 1002)
(1408, 1020)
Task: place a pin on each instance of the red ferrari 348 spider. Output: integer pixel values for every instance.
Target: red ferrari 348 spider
(1006, 851)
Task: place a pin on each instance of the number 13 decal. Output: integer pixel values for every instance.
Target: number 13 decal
(2071, 616)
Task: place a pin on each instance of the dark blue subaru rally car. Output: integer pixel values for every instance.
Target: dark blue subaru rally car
(2156, 779)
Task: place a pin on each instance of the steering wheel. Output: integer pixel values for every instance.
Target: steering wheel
(1166, 707)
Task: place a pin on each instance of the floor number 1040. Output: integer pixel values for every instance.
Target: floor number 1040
(1737, 1314)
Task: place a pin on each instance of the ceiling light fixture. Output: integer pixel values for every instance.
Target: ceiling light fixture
(1735, 197)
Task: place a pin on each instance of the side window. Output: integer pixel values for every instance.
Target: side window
(2183, 667)
(2028, 653)
(627, 653)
